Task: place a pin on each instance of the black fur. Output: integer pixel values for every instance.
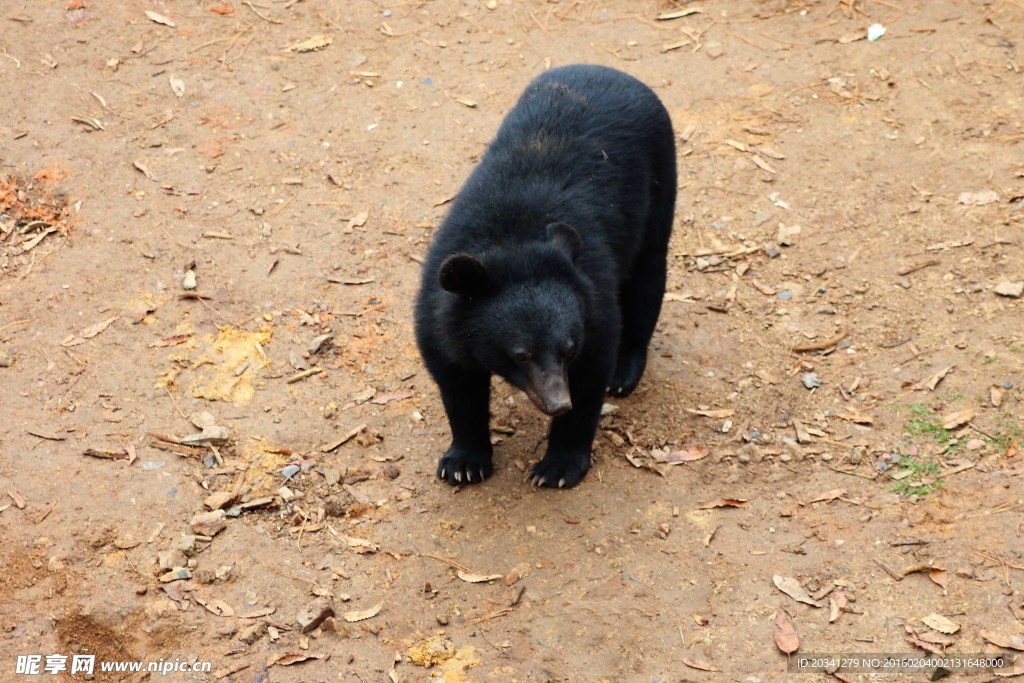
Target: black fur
(549, 270)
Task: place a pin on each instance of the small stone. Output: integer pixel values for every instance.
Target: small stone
(228, 629)
(219, 500)
(761, 217)
(171, 559)
(290, 471)
(442, 619)
(714, 50)
(141, 589)
(317, 344)
(975, 444)
(391, 472)
(6, 358)
(309, 619)
(176, 575)
(287, 495)
(332, 477)
(189, 281)
(208, 523)
(810, 380)
(772, 252)
(1014, 290)
(186, 544)
(250, 634)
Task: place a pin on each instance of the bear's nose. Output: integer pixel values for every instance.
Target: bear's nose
(559, 407)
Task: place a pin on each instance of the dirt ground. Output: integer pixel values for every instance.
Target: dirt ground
(826, 447)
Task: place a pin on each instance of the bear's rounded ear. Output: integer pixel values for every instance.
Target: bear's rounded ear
(462, 274)
(565, 237)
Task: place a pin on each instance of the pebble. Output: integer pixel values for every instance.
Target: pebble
(810, 380)
(171, 559)
(219, 500)
(310, 618)
(6, 358)
(208, 523)
(290, 471)
(176, 575)
(317, 344)
(187, 544)
(189, 281)
(1014, 290)
(250, 634)
(331, 477)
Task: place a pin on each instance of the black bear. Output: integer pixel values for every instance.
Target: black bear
(549, 269)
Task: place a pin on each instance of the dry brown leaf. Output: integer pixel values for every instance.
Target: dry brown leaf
(1009, 642)
(478, 578)
(828, 496)
(793, 589)
(957, 418)
(93, 330)
(160, 19)
(359, 615)
(142, 168)
(934, 380)
(170, 341)
(723, 412)
(317, 42)
(725, 503)
(686, 454)
(857, 418)
(381, 399)
(699, 664)
(836, 604)
(785, 634)
(939, 577)
(293, 658)
(996, 397)
(218, 607)
(941, 623)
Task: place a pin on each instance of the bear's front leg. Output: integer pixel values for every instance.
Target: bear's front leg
(466, 397)
(572, 435)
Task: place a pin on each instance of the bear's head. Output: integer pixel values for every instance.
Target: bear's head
(522, 314)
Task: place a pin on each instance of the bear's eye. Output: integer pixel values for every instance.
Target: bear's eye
(569, 349)
(521, 356)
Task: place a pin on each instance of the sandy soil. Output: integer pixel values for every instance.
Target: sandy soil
(861, 197)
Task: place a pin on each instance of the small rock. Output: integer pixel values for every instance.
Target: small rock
(297, 360)
(186, 544)
(309, 619)
(176, 575)
(228, 629)
(713, 50)
(1014, 290)
(391, 472)
(141, 589)
(810, 380)
(171, 559)
(189, 281)
(761, 217)
(219, 500)
(287, 495)
(332, 477)
(208, 523)
(975, 444)
(250, 634)
(317, 344)
(6, 358)
(290, 471)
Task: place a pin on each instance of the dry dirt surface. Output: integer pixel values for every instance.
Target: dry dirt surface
(211, 222)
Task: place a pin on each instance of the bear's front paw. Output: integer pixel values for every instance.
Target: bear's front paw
(464, 466)
(560, 469)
